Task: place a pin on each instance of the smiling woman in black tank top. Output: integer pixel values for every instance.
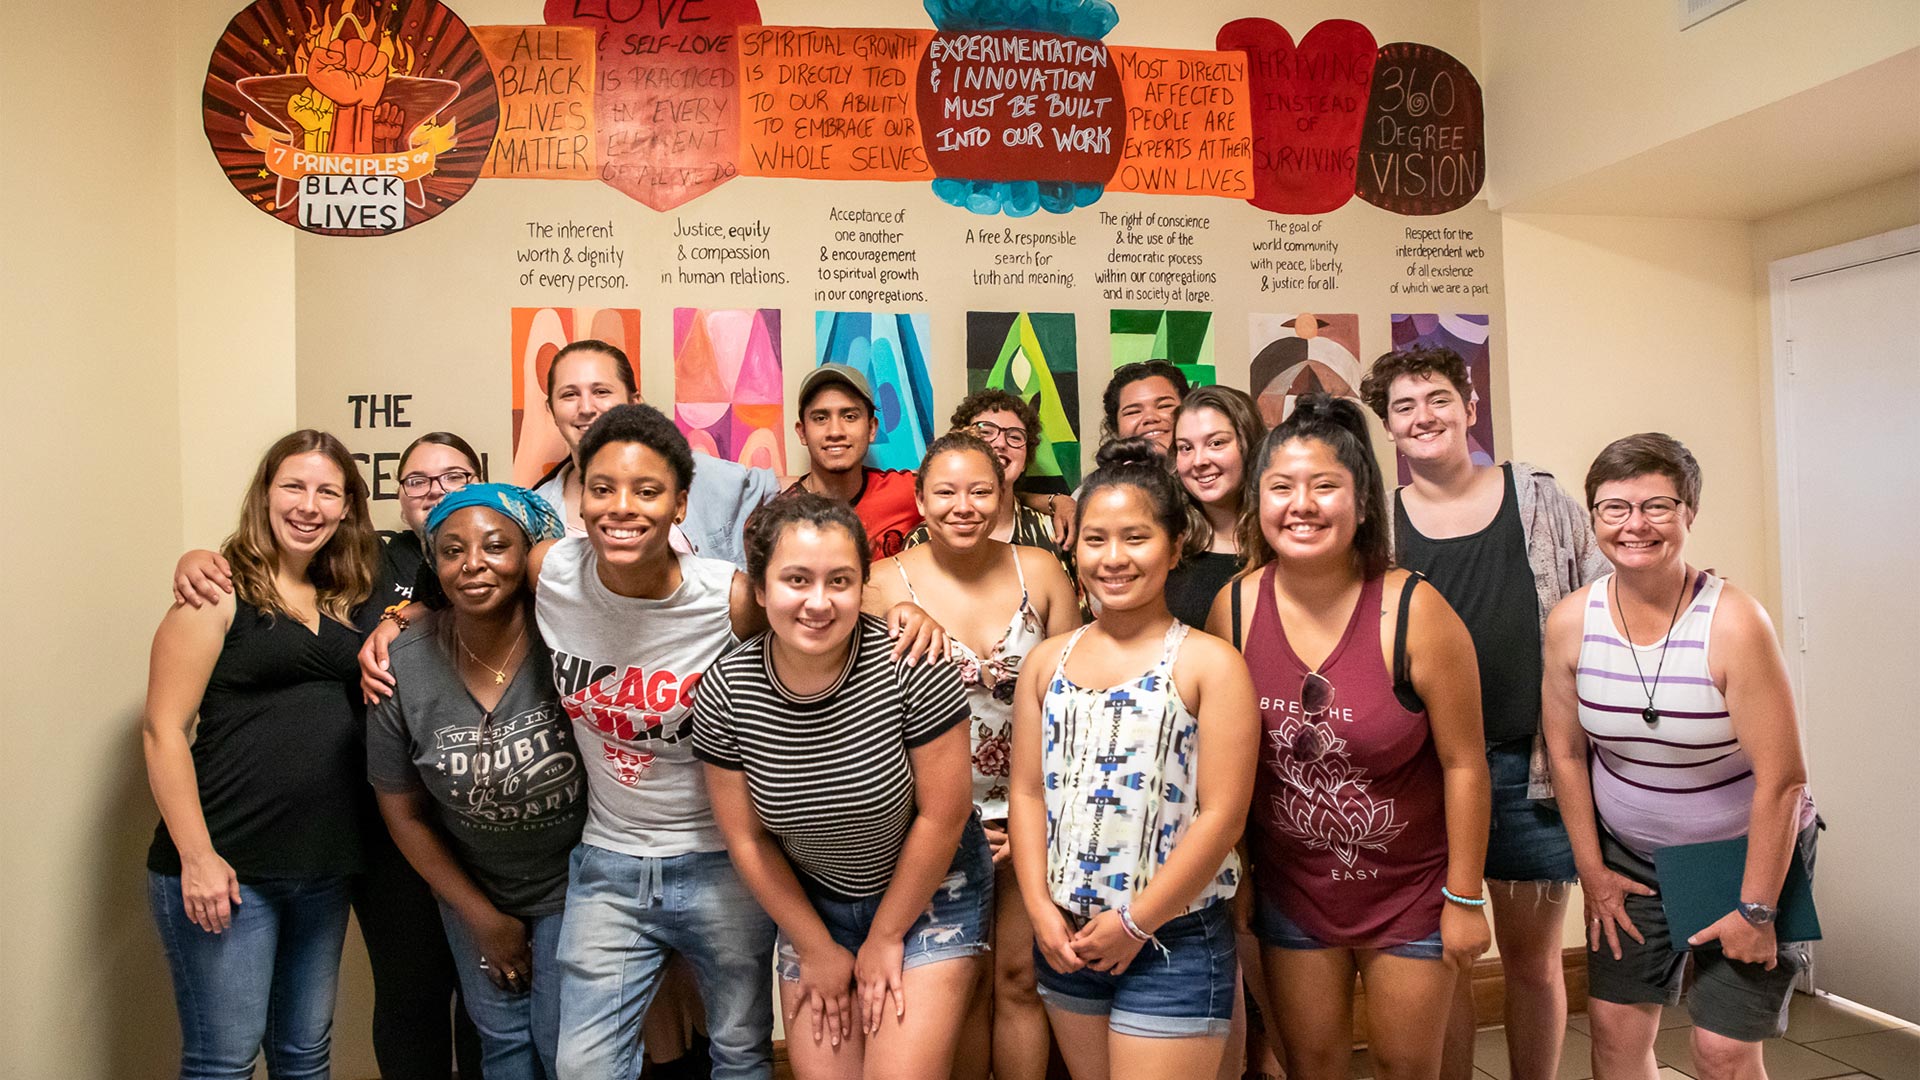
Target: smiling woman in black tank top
(248, 869)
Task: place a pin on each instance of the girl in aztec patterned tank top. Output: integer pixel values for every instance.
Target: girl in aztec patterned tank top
(1132, 768)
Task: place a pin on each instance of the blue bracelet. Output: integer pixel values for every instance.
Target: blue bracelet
(1448, 894)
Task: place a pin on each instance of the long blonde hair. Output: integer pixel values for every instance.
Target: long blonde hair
(343, 570)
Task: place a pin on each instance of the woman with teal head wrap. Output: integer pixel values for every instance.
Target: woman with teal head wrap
(476, 771)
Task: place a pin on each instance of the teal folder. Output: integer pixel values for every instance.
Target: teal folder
(1699, 883)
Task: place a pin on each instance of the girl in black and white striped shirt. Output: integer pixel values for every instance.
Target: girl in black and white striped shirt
(840, 779)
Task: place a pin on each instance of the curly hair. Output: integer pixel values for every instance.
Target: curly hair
(645, 425)
(994, 399)
(1377, 388)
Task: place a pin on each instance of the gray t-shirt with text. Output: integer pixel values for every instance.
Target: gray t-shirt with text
(508, 785)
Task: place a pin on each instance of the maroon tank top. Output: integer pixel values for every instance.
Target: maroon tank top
(1348, 822)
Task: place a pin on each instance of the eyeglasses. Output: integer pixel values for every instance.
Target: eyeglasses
(451, 480)
(1316, 700)
(1015, 438)
(1658, 510)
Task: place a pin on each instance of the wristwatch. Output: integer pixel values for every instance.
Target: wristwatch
(1757, 914)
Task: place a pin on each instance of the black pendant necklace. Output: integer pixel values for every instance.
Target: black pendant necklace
(1650, 714)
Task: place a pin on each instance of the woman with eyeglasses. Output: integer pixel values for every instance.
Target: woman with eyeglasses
(1670, 720)
(415, 986)
(1133, 750)
(1370, 814)
(477, 774)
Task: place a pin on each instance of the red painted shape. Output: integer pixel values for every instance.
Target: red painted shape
(1004, 105)
(667, 98)
(1309, 103)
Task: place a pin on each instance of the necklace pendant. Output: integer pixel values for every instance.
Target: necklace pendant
(499, 678)
(1650, 714)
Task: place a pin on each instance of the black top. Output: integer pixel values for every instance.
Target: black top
(407, 573)
(1193, 583)
(829, 773)
(1487, 580)
(279, 755)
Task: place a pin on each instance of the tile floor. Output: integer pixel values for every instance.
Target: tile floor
(1824, 1040)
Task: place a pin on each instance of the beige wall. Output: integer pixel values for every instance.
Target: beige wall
(1573, 87)
(94, 502)
(1613, 325)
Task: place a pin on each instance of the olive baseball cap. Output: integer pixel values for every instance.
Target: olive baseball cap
(828, 374)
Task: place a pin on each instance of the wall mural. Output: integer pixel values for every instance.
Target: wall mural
(1034, 357)
(891, 351)
(348, 119)
(727, 396)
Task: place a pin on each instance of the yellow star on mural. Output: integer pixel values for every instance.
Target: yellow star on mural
(264, 43)
(280, 52)
(262, 174)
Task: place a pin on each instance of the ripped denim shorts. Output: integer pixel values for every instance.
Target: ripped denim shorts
(957, 923)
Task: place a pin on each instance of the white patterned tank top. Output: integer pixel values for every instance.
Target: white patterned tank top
(989, 681)
(1120, 768)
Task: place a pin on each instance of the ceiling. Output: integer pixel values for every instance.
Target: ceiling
(1857, 130)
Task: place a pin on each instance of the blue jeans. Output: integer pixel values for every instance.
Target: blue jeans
(626, 915)
(518, 1032)
(265, 983)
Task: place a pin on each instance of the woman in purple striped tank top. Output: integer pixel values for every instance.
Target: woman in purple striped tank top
(1671, 721)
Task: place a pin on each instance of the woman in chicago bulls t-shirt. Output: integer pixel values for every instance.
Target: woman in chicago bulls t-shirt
(1369, 820)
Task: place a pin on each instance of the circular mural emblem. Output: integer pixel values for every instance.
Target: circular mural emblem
(352, 117)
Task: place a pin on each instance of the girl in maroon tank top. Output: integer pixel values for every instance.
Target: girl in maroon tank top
(1368, 828)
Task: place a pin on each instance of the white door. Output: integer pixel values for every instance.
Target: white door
(1849, 411)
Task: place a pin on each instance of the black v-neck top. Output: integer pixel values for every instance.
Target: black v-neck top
(279, 754)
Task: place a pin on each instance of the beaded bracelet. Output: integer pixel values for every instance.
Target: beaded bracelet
(1462, 900)
(1132, 928)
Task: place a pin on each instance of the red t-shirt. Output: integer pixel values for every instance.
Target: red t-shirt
(885, 506)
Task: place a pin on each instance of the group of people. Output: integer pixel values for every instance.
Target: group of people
(1141, 776)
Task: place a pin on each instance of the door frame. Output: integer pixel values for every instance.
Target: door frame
(1780, 275)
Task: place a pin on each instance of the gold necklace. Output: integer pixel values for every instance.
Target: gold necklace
(499, 673)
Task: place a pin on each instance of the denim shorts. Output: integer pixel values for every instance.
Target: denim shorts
(1527, 841)
(1273, 928)
(1183, 988)
(958, 922)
